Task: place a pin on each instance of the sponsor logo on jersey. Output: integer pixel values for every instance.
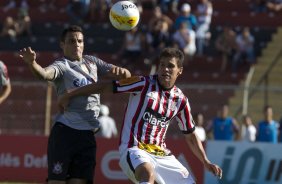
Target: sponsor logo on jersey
(155, 119)
(82, 82)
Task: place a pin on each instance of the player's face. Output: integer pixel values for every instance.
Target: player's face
(73, 46)
(168, 72)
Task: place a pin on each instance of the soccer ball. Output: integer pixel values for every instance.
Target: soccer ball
(124, 15)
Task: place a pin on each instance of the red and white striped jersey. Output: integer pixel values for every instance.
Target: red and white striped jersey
(149, 111)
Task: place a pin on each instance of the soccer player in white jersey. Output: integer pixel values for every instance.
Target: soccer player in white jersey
(153, 102)
(5, 85)
(72, 145)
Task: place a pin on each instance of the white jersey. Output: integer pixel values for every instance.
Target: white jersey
(149, 111)
(82, 111)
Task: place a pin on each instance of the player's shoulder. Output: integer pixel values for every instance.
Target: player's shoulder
(2, 64)
(91, 58)
(179, 92)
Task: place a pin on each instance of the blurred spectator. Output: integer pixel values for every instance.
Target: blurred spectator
(274, 5)
(226, 44)
(46, 5)
(258, 5)
(157, 38)
(24, 23)
(23, 5)
(158, 35)
(78, 10)
(98, 9)
(9, 28)
(185, 39)
(11, 5)
(157, 17)
(268, 128)
(245, 49)
(186, 16)
(200, 131)
(223, 126)
(249, 131)
(108, 127)
(21, 26)
(5, 86)
(169, 5)
(133, 46)
(204, 15)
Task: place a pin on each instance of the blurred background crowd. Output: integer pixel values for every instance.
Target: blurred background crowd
(226, 42)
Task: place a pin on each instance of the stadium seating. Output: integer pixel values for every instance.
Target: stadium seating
(25, 109)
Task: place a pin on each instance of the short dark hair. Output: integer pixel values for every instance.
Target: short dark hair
(173, 52)
(266, 107)
(72, 28)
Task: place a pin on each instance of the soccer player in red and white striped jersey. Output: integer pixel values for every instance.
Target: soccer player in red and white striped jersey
(153, 102)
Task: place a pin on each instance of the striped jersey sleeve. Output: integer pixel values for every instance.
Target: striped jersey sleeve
(133, 84)
(184, 118)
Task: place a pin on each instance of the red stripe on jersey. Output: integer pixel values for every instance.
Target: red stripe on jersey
(156, 109)
(149, 128)
(161, 131)
(182, 106)
(187, 117)
(174, 99)
(137, 113)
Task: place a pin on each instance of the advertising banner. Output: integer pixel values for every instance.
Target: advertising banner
(24, 159)
(245, 163)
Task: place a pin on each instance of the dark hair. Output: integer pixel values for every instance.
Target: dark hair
(72, 28)
(171, 53)
(266, 107)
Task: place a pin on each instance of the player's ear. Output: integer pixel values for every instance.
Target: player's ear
(180, 71)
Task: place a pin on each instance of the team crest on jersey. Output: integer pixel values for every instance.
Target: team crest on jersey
(57, 168)
(151, 95)
(172, 106)
(131, 80)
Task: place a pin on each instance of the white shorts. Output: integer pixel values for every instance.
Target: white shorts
(168, 170)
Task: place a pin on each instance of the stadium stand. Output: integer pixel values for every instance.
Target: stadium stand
(24, 111)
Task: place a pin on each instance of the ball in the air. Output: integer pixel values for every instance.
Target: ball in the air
(124, 15)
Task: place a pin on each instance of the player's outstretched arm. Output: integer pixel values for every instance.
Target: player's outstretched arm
(196, 146)
(86, 90)
(29, 57)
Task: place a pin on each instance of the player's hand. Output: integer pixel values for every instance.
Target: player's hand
(28, 55)
(63, 102)
(121, 72)
(215, 169)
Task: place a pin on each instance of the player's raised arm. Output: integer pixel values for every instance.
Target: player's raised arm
(29, 57)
